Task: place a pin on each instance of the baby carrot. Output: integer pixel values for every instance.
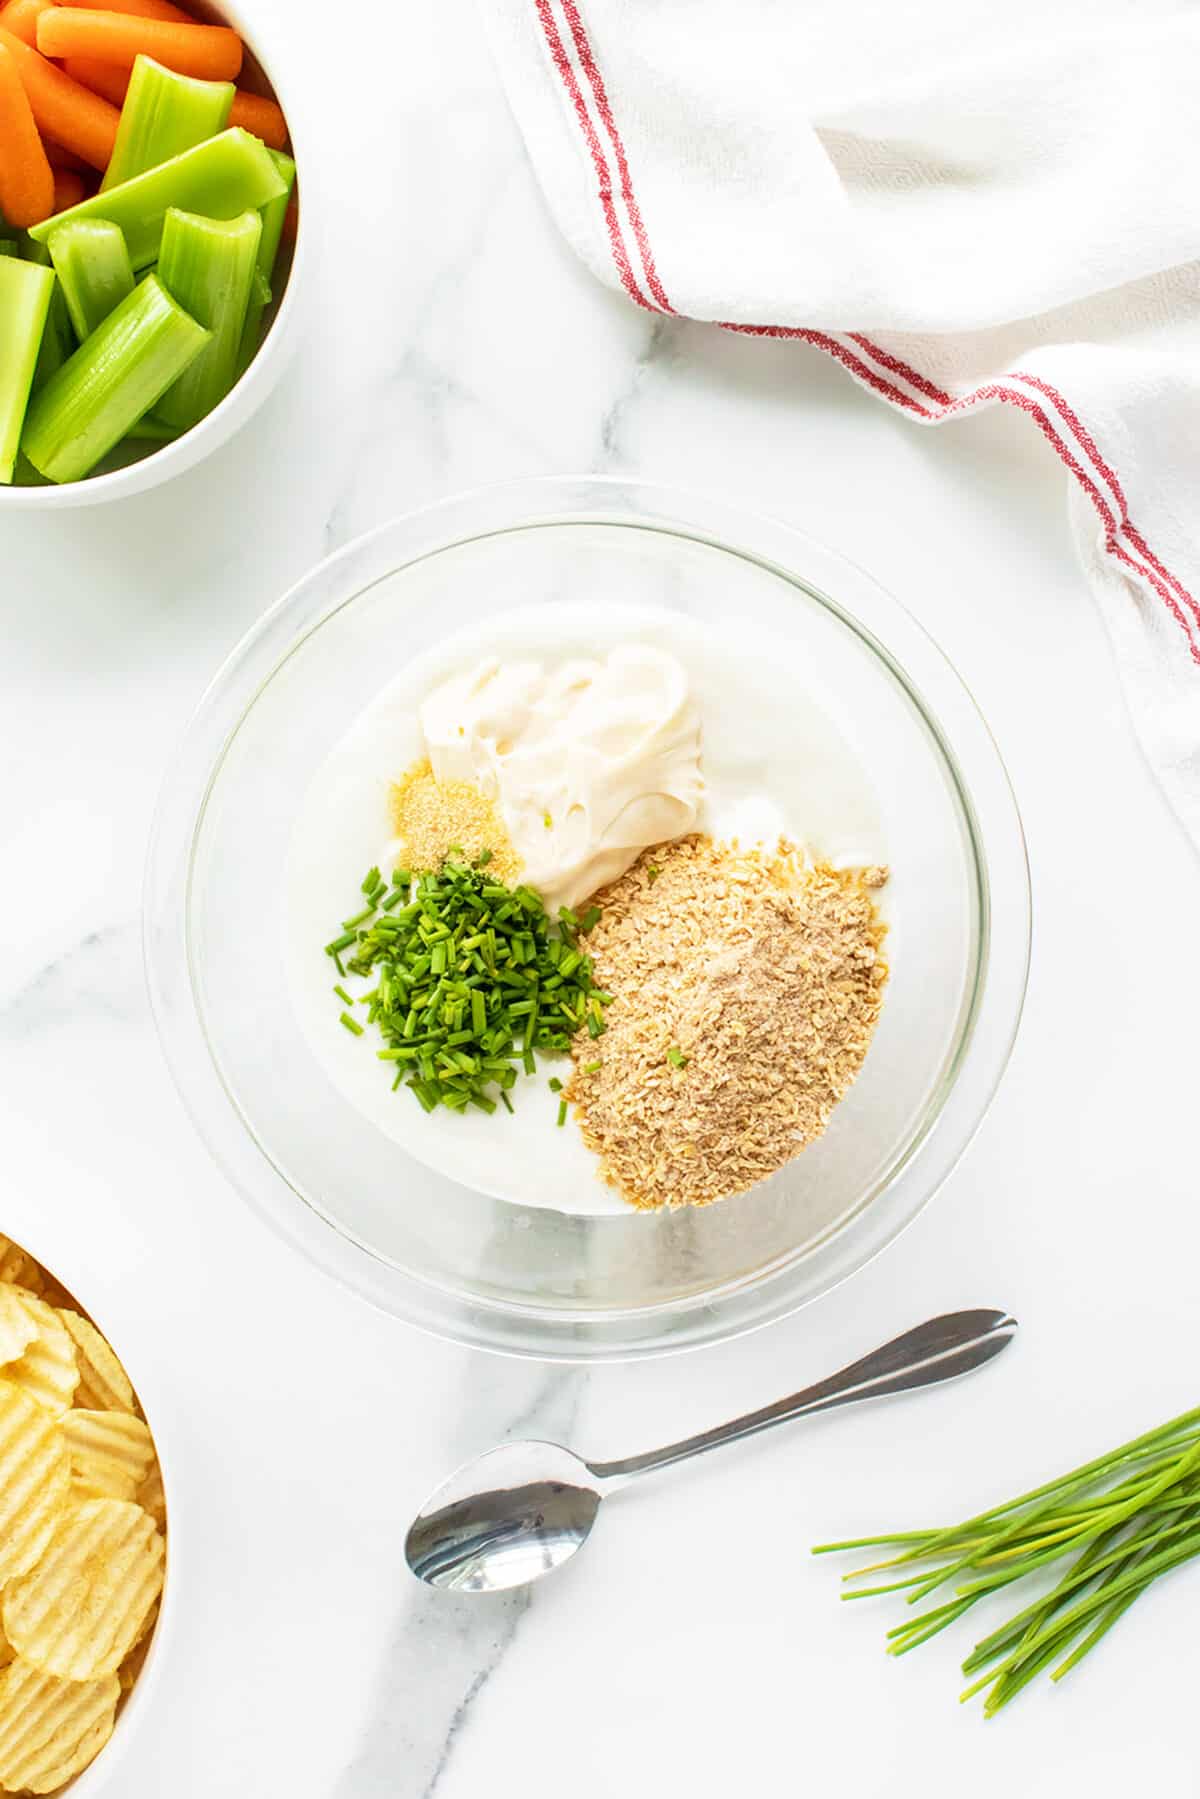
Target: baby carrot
(21, 17)
(26, 178)
(260, 116)
(71, 114)
(210, 52)
(106, 78)
(69, 189)
(139, 9)
(62, 159)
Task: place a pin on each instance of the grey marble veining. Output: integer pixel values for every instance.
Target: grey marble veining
(449, 1646)
(454, 341)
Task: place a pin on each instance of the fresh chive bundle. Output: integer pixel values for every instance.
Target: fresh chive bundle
(472, 980)
(1125, 1518)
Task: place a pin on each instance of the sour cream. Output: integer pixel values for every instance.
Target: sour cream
(589, 761)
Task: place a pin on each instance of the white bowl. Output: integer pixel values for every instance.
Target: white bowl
(283, 334)
(49, 1242)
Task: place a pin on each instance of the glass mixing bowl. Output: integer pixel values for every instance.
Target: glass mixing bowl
(526, 1280)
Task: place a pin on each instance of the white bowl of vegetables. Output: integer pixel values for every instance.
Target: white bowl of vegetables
(149, 245)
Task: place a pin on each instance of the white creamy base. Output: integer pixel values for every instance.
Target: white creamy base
(775, 763)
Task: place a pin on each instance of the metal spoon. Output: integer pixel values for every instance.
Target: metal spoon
(522, 1510)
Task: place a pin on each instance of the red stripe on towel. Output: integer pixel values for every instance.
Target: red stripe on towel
(592, 71)
(1122, 527)
(942, 405)
(562, 63)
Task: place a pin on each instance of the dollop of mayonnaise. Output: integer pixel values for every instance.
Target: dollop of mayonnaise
(589, 761)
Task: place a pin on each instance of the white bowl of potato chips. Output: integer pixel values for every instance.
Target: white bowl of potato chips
(82, 1534)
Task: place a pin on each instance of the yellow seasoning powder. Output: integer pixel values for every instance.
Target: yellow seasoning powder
(430, 816)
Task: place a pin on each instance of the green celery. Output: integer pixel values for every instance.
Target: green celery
(94, 270)
(58, 339)
(25, 291)
(8, 246)
(150, 431)
(252, 330)
(209, 266)
(273, 214)
(229, 175)
(164, 114)
(126, 365)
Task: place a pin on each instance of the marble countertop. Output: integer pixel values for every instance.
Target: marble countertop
(696, 1648)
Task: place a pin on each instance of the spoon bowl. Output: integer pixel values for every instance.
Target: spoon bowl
(504, 1519)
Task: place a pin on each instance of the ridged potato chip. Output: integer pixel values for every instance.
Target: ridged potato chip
(50, 1729)
(53, 1780)
(131, 1667)
(152, 1498)
(81, 1609)
(18, 1268)
(18, 1326)
(35, 1479)
(48, 1370)
(111, 1454)
(104, 1385)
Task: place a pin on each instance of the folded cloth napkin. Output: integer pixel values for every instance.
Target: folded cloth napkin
(966, 205)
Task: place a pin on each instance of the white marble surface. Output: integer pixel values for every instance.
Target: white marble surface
(696, 1649)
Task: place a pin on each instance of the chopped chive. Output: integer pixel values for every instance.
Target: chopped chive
(554, 1084)
(676, 1058)
(471, 981)
(592, 1067)
(343, 995)
(483, 858)
(653, 872)
(562, 1112)
(590, 919)
(352, 924)
(352, 1024)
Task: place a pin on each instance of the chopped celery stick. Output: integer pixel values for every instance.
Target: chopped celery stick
(25, 291)
(93, 269)
(111, 381)
(149, 430)
(228, 175)
(274, 213)
(260, 299)
(8, 246)
(209, 266)
(58, 339)
(163, 115)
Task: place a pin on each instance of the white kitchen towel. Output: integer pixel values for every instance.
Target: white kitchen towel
(965, 204)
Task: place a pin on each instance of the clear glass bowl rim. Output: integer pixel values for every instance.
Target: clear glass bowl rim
(971, 756)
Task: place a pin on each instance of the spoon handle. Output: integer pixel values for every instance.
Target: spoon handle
(939, 1350)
